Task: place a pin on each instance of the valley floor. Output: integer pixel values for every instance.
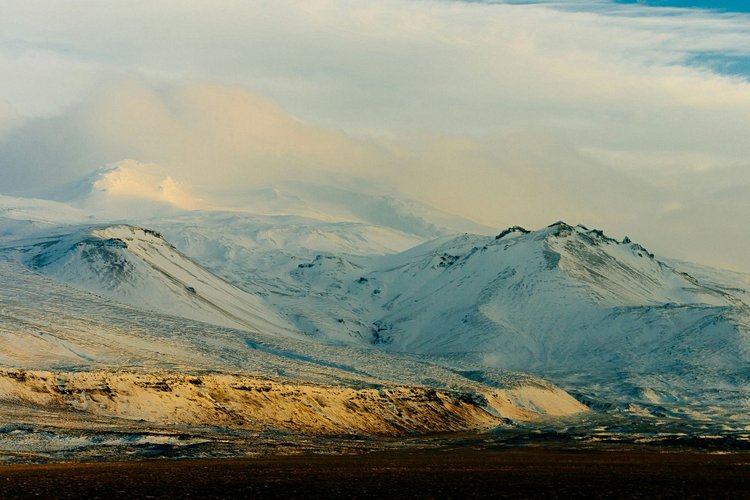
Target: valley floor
(463, 472)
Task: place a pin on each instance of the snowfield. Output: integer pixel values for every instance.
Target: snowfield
(364, 316)
(73, 350)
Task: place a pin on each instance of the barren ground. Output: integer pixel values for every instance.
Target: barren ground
(448, 473)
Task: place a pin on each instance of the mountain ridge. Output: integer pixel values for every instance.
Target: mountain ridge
(548, 302)
(347, 303)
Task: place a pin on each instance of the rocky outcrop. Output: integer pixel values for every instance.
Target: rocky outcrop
(250, 403)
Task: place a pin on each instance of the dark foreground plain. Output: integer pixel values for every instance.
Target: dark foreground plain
(438, 473)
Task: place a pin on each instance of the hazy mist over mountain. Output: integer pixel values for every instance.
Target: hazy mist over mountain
(620, 115)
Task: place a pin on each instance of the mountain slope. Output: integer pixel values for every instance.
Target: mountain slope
(64, 349)
(604, 318)
(138, 267)
(523, 289)
(622, 329)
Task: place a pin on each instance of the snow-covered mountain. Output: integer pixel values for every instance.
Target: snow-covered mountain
(128, 188)
(313, 285)
(25, 217)
(564, 302)
(138, 267)
(95, 363)
(573, 305)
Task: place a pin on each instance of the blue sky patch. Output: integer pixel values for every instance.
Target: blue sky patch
(723, 5)
(727, 64)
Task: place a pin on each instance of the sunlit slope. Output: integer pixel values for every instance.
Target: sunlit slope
(138, 267)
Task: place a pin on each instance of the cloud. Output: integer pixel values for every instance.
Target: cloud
(217, 137)
(9, 119)
(510, 114)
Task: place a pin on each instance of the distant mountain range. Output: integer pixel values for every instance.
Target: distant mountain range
(322, 286)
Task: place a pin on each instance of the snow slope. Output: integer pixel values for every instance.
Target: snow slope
(65, 349)
(601, 317)
(138, 267)
(390, 285)
(27, 217)
(607, 319)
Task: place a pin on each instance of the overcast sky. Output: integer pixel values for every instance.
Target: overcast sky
(620, 115)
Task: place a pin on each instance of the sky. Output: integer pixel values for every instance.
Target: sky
(628, 116)
(722, 6)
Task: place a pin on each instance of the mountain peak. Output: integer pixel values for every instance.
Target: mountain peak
(511, 230)
(131, 179)
(129, 188)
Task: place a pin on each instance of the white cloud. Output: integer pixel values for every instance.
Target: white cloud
(217, 137)
(506, 113)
